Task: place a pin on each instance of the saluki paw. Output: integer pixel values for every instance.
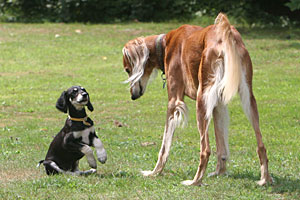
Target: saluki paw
(147, 173)
(216, 174)
(264, 181)
(213, 174)
(192, 182)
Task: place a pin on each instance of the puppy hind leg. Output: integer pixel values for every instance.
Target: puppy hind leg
(52, 168)
(88, 172)
(75, 170)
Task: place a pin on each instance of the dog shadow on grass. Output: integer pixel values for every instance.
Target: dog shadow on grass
(118, 174)
(280, 184)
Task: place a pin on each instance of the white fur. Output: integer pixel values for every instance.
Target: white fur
(84, 134)
(178, 119)
(180, 116)
(245, 97)
(88, 151)
(137, 53)
(77, 102)
(212, 94)
(100, 151)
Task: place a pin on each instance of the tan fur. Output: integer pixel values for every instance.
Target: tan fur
(209, 65)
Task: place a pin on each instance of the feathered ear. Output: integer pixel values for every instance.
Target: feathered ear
(90, 106)
(137, 54)
(61, 103)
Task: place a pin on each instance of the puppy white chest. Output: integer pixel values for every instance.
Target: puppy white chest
(84, 134)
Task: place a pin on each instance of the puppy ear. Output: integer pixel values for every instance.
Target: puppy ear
(90, 106)
(61, 103)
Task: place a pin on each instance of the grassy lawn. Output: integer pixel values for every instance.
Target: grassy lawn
(39, 61)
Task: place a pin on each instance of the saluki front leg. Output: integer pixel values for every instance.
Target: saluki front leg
(177, 113)
(221, 121)
(250, 109)
(203, 123)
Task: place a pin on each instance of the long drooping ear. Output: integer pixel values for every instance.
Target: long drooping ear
(61, 103)
(90, 106)
(137, 54)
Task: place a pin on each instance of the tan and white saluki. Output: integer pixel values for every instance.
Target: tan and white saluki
(209, 65)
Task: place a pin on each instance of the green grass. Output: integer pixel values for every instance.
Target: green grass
(36, 66)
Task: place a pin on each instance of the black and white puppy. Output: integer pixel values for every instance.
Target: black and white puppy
(76, 137)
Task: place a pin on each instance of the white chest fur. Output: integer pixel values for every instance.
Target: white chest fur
(84, 134)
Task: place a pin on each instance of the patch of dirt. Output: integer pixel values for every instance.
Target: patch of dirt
(7, 176)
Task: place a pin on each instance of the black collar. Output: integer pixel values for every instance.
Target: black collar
(160, 51)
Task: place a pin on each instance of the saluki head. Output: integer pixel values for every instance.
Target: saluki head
(137, 64)
(75, 98)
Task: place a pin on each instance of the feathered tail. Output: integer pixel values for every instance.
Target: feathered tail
(232, 60)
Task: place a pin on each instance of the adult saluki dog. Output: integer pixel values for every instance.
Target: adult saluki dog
(208, 65)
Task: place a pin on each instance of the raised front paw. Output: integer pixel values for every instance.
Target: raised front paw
(102, 156)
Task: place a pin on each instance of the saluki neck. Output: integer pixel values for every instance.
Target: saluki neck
(159, 49)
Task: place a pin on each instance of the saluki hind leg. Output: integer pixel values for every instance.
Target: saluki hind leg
(250, 109)
(221, 121)
(203, 123)
(177, 113)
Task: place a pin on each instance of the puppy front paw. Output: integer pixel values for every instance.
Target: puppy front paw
(102, 156)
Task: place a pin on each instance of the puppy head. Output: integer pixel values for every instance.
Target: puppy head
(75, 96)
